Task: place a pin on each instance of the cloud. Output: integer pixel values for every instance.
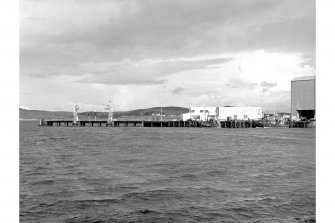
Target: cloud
(240, 83)
(121, 80)
(310, 61)
(267, 85)
(54, 35)
(145, 72)
(178, 28)
(178, 90)
(130, 49)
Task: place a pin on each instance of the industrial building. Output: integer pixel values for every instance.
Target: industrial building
(224, 113)
(201, 113)
(240, 113)
(303, 98)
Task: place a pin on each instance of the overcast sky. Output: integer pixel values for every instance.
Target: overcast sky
(147, 53)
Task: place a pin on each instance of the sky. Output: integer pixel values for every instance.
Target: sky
(149, 53)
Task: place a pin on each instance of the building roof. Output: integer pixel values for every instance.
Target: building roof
(305, 78)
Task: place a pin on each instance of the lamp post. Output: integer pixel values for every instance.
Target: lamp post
(161, 112)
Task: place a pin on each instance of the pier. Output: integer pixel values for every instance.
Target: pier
(105, 123)
(115, 123)
(85, 123)
(195, 124)
(196, 121)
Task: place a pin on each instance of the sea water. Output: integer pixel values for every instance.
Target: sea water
(105, 174)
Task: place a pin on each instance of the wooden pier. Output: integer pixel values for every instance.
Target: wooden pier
(85, 123)
(104, 123)
(220, 124)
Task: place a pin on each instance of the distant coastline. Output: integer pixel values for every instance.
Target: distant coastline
(143, 114)
(28, 119)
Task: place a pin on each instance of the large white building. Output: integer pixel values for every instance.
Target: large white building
(224, 113)
(240, 113)
(201, 113)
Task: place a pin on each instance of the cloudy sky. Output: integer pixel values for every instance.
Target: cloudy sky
(145, 53)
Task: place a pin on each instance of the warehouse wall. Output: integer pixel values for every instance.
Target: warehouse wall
(302, 96)
(240, 112)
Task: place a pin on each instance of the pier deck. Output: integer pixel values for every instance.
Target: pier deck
(220, 124)
(104, 123)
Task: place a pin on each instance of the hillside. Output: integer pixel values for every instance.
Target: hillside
(150, 111)
(138, 114)
(38, 114)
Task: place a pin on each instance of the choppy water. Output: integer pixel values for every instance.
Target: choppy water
(94, 174)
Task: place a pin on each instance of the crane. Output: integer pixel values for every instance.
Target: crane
(75, 114)
(110, 113)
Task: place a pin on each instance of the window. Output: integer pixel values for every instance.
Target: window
(201, 111)
(192, 111)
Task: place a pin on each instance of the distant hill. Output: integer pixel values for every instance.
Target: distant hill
(150, 111)
(138, 114)
(37, 114)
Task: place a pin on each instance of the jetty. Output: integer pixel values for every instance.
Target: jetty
(190, 123)
(198, 122)
(115, 123)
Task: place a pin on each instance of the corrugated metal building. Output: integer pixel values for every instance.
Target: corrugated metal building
(241, 113)
(224, 113)
(303, 97)
(201, 113)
